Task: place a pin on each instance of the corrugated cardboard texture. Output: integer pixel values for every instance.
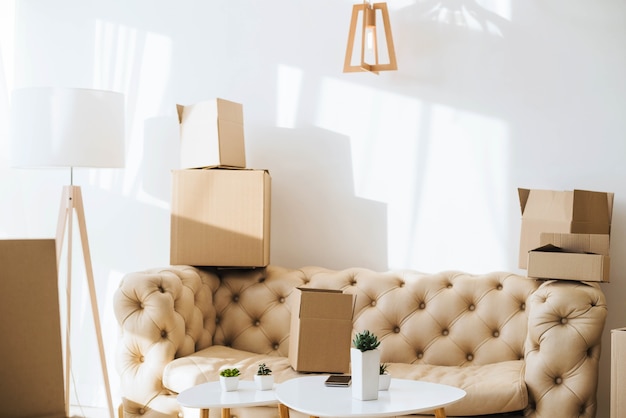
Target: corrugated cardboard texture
(319, 339)
(550, 262)
(578, 211)
(618, 373)
(31, 359)
(212, 134)
(220, 218)
(579, 243)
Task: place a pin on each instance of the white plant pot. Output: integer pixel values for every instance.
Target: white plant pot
(229, 384)
(264, 382)
(365, 372)
(384, 380)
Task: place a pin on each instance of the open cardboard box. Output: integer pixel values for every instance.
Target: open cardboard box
(552, 262)
(211, 134)
(577, 211)
(321, 330)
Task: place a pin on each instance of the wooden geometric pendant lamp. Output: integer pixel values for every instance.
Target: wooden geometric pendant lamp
(369, 46)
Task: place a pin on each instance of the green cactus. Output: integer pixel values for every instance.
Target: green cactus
(263, 370)
(365, 341)
(230, 372)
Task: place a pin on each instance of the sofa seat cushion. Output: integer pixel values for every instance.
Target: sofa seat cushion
(204, 366)
(491, 388)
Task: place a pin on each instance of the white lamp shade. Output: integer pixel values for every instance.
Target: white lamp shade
(67, 127)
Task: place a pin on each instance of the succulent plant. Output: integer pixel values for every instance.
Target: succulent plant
(263, 370)
(365, 341)
(382, 368)
(230, 372)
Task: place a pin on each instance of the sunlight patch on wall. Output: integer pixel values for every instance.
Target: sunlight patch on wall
(137, 63)
(289, 84)
(441, 171)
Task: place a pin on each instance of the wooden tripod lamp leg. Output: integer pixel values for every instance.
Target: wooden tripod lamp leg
(73, 201)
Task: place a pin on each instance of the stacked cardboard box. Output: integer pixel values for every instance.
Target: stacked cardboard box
(565, 234)
(220, 209)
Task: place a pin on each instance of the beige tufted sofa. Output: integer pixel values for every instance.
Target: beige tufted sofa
(512, 343)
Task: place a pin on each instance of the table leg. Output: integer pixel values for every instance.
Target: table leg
(226, 413)
(283, 411)
(440, 413)
(204, 413)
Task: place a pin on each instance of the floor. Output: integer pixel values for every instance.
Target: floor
(88, 412)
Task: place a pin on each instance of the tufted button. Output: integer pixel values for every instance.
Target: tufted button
(523, 306)
(471, 307)
(261, 279)
(257, 323)
(142, 359)
(470, 357)
(217, 319)
(420, 355)
(558, 380)
(276, 346)
(445, 332)
(161, 289)
(235, 298)
(449, 286)
(422, 305)
(353, 282)
(163, 333)
(499, 287)
(396, 329)
(281, 299)
(141, 305)
(373, 303)
(563, 321)
(141, 411)
(496, 334)
(401, 284)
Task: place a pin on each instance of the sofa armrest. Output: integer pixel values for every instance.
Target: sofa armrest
(565, 324)
(163, 314)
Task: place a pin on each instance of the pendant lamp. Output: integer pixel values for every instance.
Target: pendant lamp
(367, 44)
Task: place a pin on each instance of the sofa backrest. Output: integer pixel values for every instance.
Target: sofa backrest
(449, 318)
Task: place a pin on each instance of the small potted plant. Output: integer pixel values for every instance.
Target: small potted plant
(229, 379)
(384, 378)
(263, 378)
(365, 361)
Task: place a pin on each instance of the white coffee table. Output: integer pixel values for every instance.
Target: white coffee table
(310, 396)
(210, 395)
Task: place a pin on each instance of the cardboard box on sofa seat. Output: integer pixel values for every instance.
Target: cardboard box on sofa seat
(321, 330)
(618, 373)
(211, 134)
(220, 217)
(577, 211)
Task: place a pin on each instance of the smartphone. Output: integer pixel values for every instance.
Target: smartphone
(338, 380)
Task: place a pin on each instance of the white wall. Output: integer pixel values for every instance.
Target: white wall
(410, 169)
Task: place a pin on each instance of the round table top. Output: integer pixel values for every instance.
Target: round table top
(210, 395)
(310, 396)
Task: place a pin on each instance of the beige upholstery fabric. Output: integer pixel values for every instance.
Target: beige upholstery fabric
(499, 336)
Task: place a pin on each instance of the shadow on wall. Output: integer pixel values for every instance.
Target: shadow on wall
(316, 218)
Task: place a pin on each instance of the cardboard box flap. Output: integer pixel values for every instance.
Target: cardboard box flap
(580, 243)
(551, 248)
(325, 304)
(230, 111)
(578, 206)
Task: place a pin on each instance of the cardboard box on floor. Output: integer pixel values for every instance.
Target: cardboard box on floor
(618, 373)
(220, 218)
(321, 330)
(577, 211)
(31, 357)
(211, 134)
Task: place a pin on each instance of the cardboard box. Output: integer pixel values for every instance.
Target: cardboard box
(551, 262)
(618, 373)
(31, 357)
(211, 134)
(220, 217)
(321, 330)
(578, 243)
(577, 211)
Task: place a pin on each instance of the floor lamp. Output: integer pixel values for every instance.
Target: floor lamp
(65, 127)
